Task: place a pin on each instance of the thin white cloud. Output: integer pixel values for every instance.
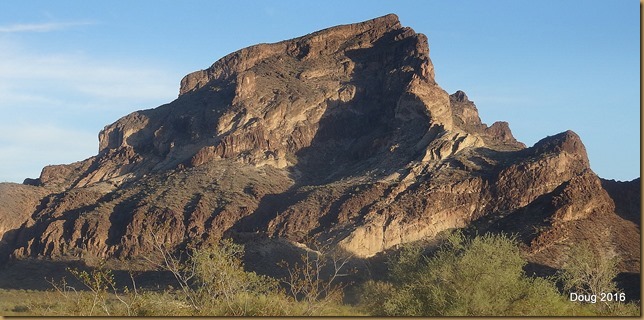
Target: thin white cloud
(30, 76)
(12, 97)
(26, 148)
(53, 104)
(42, 27)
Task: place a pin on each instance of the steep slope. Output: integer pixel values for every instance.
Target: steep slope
(18, 202)
(342, 136)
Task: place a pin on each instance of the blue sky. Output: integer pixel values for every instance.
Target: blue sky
(68, 68)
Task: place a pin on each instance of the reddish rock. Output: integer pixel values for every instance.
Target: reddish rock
(341, 135)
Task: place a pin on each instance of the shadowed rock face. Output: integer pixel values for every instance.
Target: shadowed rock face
(341, 135)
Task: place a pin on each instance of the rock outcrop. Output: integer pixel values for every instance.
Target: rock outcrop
(341, 136)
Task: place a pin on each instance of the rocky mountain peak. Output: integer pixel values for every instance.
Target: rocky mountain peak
(342, 136)
(304, 101)
(460, 96)
(325, 42)
(567, 141)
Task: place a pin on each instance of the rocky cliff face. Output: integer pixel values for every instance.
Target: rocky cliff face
(341, 135)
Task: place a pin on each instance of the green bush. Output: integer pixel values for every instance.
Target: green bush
(478, 277)
(221, 285)
(482, 276)
(212, 282)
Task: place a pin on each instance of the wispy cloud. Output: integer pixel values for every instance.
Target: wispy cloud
(42, 27)
(53, 104)
(30, 76)
(25, 148)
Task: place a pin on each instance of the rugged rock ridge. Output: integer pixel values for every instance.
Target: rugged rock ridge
(341, 135)
(322, 43)
(264, 104)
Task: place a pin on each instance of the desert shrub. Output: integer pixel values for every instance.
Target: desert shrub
(98, 296)
(315, 280)
(213, 282)
(386, 299)
(587, 272)
(465, 277)
(484, 276)
(405, 266)
(79, 303)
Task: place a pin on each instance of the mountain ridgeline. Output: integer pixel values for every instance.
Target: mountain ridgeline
(341, 136)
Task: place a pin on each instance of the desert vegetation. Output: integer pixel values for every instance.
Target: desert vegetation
(484, 276)
(463, 276)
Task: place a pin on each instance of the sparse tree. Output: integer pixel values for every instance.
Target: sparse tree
(316, 278)
(588, 272)
(213, 280)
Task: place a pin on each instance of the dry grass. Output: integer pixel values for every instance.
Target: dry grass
(17, 302)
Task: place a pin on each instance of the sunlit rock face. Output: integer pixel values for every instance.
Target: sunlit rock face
(342, 136)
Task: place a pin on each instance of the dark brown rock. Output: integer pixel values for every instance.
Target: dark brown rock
(341, 135)
(626, 195)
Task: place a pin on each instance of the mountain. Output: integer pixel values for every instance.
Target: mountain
(341, 136)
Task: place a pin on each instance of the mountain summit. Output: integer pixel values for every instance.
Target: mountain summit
(342, 136)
